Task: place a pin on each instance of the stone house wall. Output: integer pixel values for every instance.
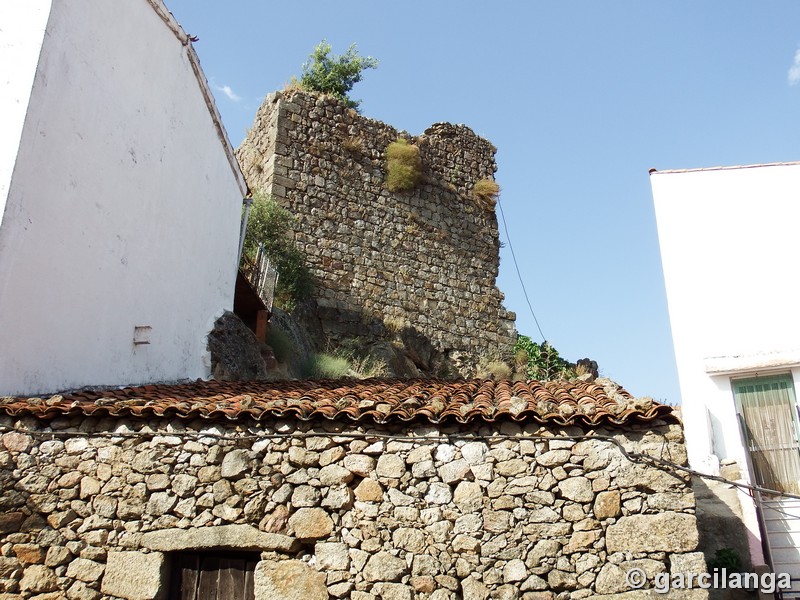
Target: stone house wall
(428, 257)
(96, 507)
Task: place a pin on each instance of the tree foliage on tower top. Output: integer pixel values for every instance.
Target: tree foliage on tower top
(335, 75)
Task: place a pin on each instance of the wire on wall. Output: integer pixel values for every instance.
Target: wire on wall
(516, 266)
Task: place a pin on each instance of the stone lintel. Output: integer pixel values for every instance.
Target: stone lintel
(234, 537)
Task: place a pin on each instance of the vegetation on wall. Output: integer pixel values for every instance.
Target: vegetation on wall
(486, 192)
(492, 369)
(335, 75)
(271, 225)
(540, 361)
(354, 145)
(403, 166)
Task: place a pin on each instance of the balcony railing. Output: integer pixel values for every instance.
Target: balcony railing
(262, 275)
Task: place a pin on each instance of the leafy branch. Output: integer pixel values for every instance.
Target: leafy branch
(335, 75)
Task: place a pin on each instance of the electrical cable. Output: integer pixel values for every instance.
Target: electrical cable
(516, 266)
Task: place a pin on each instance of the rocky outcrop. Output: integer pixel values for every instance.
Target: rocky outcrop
(405, 353)
(236, 354)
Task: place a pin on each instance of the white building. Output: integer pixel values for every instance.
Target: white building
(729, 248)
(120, 198)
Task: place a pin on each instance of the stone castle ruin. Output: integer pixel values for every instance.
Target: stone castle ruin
(421, 262)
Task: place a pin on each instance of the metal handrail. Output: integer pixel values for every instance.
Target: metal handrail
(262, 275)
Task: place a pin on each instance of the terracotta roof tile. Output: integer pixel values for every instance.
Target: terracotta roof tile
(380, 401)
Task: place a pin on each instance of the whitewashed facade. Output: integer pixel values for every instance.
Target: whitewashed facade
(728, 238)
(121, 198)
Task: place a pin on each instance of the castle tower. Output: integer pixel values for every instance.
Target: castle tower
(425, 259)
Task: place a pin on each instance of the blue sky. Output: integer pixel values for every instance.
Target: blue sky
(581, 99)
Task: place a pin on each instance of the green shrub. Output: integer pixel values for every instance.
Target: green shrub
(486, 192)
(280, 343)
(725, 558)
(348, 360)
(272, 225)
(326, 366)
(335, 75)
(544, 363)
(403, 166)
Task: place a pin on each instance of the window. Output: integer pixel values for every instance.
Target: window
(213, 576)
(768, 414)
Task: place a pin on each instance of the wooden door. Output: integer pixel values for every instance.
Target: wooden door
(202, 576)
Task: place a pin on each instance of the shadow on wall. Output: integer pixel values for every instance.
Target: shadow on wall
(349, 344)
(362, 336)
(720, 525)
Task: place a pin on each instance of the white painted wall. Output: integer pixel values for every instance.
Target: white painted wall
(22, 27)
(729, 250)
(123, 210)
(728, 241)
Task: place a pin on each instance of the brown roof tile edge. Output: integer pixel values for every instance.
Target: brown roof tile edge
(559, 403)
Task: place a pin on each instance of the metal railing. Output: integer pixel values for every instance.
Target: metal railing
(262, 275)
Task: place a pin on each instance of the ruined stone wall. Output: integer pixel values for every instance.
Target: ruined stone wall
(96, 508)
(427, 257)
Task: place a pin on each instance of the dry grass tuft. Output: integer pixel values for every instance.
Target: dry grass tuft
(486, 192)
(403, 166)
(367, 367)
(353, 145)
(394, 324)
(493, 369)
(293, 85)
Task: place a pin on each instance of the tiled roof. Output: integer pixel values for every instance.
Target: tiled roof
(553, 402)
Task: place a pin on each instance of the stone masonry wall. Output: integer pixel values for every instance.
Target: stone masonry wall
(428, 257)
(95, 508)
